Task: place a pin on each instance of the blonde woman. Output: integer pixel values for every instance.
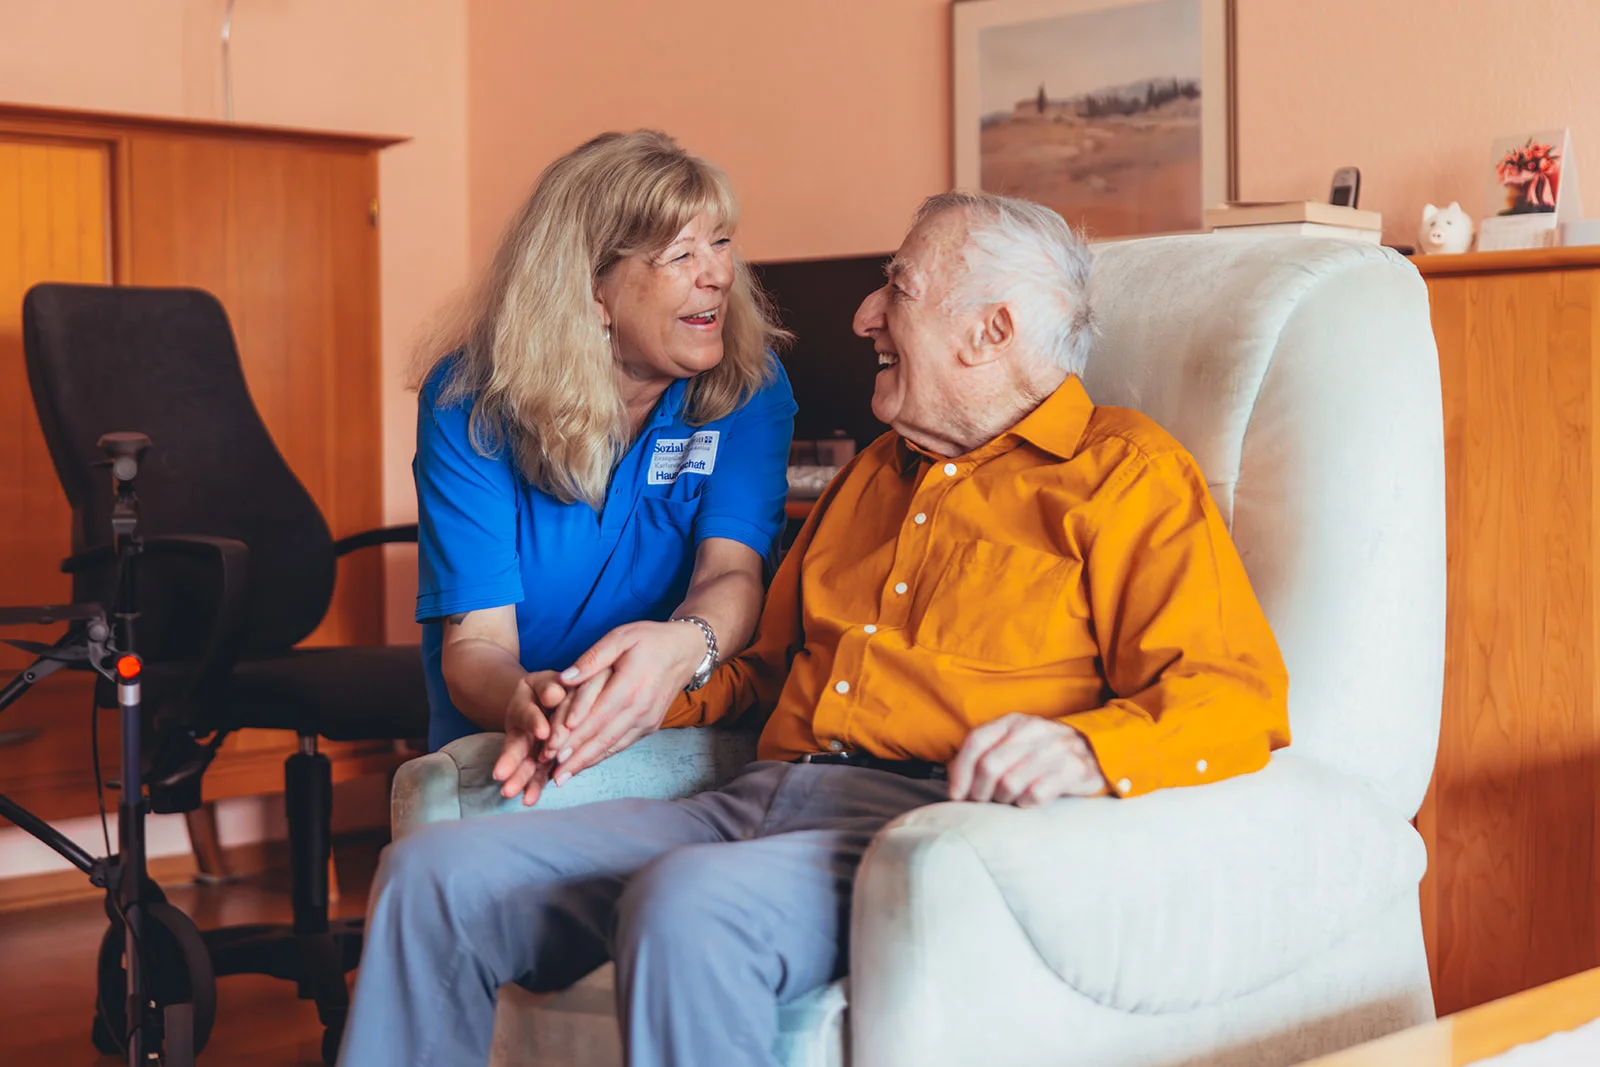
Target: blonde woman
(601, 457)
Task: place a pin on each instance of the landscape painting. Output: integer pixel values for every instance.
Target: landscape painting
(1098, 111)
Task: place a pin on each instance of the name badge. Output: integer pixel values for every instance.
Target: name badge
(683, 455)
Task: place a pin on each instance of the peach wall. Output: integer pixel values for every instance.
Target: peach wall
(832, 116)
(1412, 92)
(382, 66)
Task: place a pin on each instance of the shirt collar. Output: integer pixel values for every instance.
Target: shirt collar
(1056, 426)
(669, 408)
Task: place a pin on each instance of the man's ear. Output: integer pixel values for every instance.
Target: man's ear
(992, 336)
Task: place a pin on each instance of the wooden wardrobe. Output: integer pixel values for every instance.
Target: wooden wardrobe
(1512, 821)
(280, 224)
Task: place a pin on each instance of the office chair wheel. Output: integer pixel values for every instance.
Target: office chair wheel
(177, 970)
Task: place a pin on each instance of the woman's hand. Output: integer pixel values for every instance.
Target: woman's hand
(527, 724)
(649, 663)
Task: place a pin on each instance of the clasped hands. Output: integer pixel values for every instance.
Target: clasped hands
(560, 723)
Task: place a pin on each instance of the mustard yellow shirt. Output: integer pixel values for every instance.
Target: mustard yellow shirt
(1074, 568)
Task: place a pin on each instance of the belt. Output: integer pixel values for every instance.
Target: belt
(905, 768)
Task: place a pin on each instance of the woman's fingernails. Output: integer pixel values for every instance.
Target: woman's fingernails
(570, 674)
(561, 779)
(564, 755)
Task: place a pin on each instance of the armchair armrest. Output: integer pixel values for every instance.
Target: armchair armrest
(1161, 903)
(382, 535)
(455, 782)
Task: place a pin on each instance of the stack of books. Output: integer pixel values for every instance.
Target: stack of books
(1307, 218)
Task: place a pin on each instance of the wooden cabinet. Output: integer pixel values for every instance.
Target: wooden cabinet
(1511, 899)
(282, 226)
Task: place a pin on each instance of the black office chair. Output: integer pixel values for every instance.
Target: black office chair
(220, 618)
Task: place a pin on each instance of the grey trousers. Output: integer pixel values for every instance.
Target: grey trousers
(716, 909)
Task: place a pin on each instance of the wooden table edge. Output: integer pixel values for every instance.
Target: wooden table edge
(1484, 1031)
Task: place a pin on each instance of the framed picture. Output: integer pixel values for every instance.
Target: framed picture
(1532, 190)
(1527, 173)
(1116, 113)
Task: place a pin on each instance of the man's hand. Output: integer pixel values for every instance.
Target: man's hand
(1026, 761)
(527, 728)
(573, 710)
(643, 666)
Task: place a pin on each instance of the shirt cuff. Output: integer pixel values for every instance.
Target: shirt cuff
(681, 712)
(1137, 756)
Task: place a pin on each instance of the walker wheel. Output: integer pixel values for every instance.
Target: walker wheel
(177, 971)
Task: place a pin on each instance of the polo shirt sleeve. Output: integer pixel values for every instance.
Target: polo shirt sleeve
(466, 516)
(743, 499)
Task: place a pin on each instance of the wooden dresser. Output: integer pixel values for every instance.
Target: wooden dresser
(1511, 899)
(282, 226)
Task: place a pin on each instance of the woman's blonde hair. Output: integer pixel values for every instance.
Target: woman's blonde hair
(526, 349)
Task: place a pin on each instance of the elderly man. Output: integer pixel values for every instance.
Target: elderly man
(1014, 597)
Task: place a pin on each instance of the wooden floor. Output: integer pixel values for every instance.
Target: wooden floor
(47, 974)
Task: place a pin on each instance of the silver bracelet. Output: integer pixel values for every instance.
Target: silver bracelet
(707, 665)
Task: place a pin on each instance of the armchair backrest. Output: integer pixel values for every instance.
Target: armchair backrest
(1302, 375)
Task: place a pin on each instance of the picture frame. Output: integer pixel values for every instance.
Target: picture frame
(1137, 136)
(1532, 190)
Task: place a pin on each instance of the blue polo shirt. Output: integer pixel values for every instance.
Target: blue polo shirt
(487, 538)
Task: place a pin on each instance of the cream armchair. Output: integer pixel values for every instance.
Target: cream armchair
(1261, 920)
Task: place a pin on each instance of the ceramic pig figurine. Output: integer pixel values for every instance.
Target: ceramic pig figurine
(1444, 229)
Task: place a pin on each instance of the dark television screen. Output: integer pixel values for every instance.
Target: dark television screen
(830, 368)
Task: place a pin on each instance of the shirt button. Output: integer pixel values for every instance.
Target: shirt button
(900, 587)
(869, 628)
(920, 518)
(1124, 786)
(836, 746)
(950, 469)
(1201, 766)
(842, 687)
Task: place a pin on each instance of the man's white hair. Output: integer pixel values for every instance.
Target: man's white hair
(1025, 256)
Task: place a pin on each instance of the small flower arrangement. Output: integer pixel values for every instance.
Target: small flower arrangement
(1530, 175)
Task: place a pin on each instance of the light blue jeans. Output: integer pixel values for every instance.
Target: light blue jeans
(716, 909)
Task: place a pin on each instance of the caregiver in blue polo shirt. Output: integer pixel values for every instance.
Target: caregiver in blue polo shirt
(601, 456)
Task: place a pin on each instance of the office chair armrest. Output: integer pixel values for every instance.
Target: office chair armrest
(232, 560)
(383, 535)
(233, 555)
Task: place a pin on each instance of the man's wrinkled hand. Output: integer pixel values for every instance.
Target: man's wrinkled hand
(1026, 761)
(518, 770)
(569, 716)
